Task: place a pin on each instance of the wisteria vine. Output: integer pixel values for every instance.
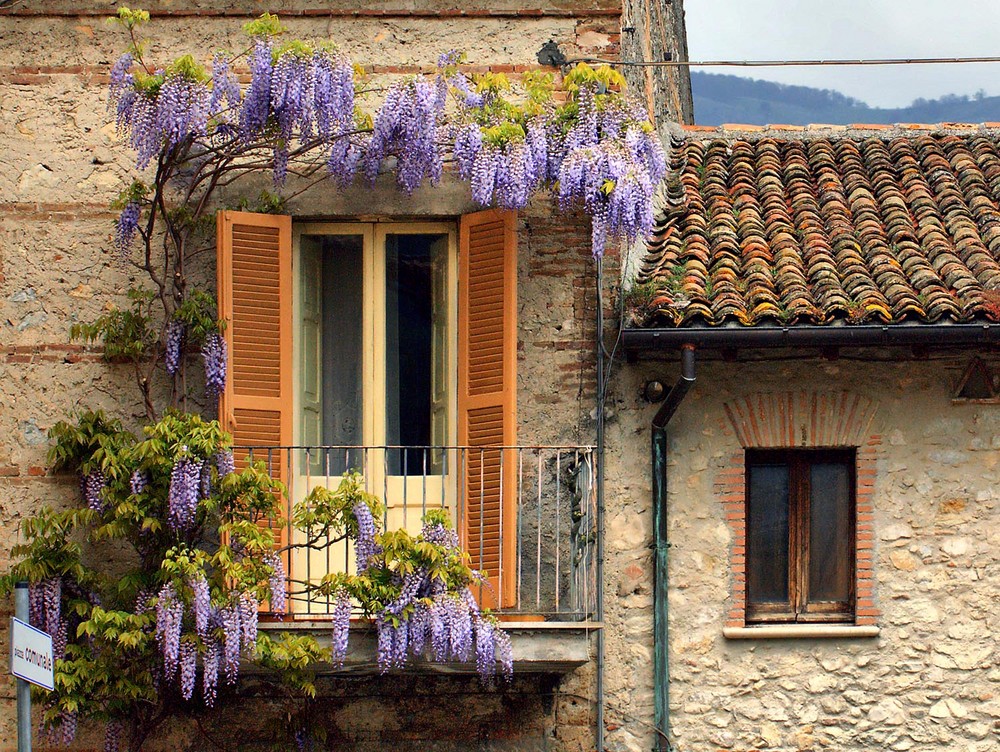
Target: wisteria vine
(310, 117)
(184, 622)
(597, 150)
(181, 626)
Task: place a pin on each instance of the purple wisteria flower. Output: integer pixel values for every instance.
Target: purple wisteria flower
(410, 588)
(419, 626)
(182, 498)
(440, 534)
(51, 595)
(364, 547)
(172, 346)
(114, 732)
(232, 631)
(257, 99)
(341, 627)
(92, 487)
(504, 653)
(406, 127)
(210, 672)
(486, 660)
(215, 354)
(276, 582)
(225, 88)
(126, 227)
(225, 463)
(249, 610)
(201, 604)
(138, 482)
(385, 649)
(60, 638)
(188, 661)
(169, 619)
(182, 109)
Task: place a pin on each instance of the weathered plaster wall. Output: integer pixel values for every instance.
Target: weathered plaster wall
(930, 681)
(655, 31)
(61, 165)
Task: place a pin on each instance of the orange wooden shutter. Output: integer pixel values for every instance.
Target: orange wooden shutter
(255, 299)
(487, 397)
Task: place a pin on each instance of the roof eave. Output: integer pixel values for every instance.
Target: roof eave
(864, 335)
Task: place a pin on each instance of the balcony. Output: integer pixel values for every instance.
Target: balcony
(525, 514)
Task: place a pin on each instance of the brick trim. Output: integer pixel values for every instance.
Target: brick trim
(801, 419)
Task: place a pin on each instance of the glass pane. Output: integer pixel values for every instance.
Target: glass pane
(767, 534)
(415, 320)
(340, 361)
(830, 570)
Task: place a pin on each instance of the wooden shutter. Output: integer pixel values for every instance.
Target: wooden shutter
(487, 398)
(254, 267)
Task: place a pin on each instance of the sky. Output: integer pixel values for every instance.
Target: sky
(810, 29)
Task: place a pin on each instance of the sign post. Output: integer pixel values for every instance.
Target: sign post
(31, 660)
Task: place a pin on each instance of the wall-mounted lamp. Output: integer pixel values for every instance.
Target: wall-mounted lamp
(654, 391)
(550, 54)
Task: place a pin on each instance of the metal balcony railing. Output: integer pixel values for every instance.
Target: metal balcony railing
(525, 514)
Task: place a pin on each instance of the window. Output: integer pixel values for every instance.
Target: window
(800, 535)
(376, 307)
(384, 334)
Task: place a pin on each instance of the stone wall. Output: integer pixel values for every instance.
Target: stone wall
(61, 165)
(655, 31)
(928, 681)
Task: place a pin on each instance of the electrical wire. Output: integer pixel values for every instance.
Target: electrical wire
(781, 63)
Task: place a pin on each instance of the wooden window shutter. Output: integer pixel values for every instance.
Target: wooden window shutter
(487, 398)
(254, 265)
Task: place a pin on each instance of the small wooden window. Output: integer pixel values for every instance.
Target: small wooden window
(800, 521)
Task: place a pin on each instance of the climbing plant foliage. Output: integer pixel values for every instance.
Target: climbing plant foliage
(152, 586)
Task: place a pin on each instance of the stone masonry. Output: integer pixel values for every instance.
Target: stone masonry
(928, 521)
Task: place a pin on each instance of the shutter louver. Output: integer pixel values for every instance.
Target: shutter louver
(254, 265)
(487, 398)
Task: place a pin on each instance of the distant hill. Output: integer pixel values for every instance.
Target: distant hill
(719, 98)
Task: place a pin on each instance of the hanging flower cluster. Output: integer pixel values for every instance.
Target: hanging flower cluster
(189, 625)
(191, 325)
(91, 488)
(185, 491)
(45, 612)
(214, 353)
(173, 340)
(301, 105)
(297, 94)
(427, 616)
(406, 127)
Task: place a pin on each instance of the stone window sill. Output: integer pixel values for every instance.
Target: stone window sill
(799, 631)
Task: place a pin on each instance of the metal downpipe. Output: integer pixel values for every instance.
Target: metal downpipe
(661, 626)
(599, 574)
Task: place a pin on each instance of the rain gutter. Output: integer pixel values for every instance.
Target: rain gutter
(661, 626)
(862, 335)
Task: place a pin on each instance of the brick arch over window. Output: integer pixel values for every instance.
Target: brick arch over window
(802, 420)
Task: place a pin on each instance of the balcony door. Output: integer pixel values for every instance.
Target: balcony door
(376, 370)
(353, 335)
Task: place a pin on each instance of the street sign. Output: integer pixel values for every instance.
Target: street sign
(31, 654)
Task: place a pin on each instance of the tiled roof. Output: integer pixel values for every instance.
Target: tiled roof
(826, 225)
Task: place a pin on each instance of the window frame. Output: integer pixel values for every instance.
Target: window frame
(373, 234)
(800, 609)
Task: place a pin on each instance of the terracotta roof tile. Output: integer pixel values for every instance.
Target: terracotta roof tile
(811, 230)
